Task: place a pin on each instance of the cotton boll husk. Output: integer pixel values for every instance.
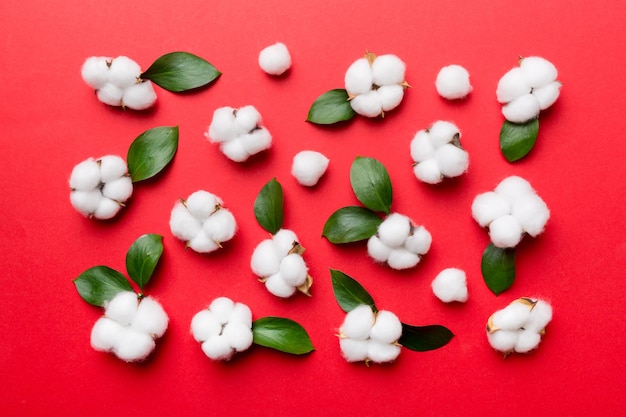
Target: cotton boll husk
(139, 96)
(394, 230)
(419, 241)
(110, 94)
(359, 77)
(247, 119)
(505, 232)
(85, 175)
(537, 71)
(390, 96)
(95, 71)
(513, 187)
(489, 206)
(202, 243)
(428, 171)
(239, 336)
(150, 317)
(112, 167)
(241, 314)
(539, 317)
(401, 258)
(377, 249)
(134, 345)
(503, 340)
(453, 82)
(358, 323)
(367, 104)
(222, 308)
(106, 334)
(86, 202)
(421, 148)
(547, 95)
(256, 141)
(119, 190)
(276, 285)
(511, 86)
(218, 348)
(387, 328)
(204, 325)
(182, 224)
(265, 259)
(308, 167)
(382, 352)
(522, 109)
(284, 240)
(452, 160)
(512, 317)
(450, 285)
(527, 341)
(353, 350)
(532, 213)
(293, 270)
(124, 72)
(388, 69)
(223, 127)
(234, 150)
(221, 226)
(122, 308)
(275, 59)
(107, 209)
(442, 132)
(201, 204)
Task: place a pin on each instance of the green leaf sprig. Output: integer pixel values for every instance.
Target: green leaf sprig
(151, 152)
(516, 140)
(331, 107)
(498, 268)
(281, 334)
(180, 71)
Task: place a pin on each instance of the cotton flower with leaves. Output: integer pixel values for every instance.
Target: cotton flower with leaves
(202, 222)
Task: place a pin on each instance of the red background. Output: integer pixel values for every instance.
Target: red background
(51, 121)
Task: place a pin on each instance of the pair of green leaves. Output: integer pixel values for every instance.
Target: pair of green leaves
(331, 107)
(180, 71)
(350, 294)
(268, 206)
(498, 268)
(281, 334)
(372, 186)
(151, 151)
(99, 284)
(516, 140)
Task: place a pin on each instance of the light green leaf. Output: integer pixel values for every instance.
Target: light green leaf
(268, 206)
(100, 284)
(349, 293)
(331, 107)
(498, 268)
(371, 184)
(281, 334)
(180, 71)
(516, 140)
(151, 151)
(142, 258)
(424, 338)
(351, 224)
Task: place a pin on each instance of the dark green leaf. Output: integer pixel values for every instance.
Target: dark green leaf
(142, 258)
(498, 268)
(516, 140)
(424, 338)
(281, 334)
(331, 107)
(151, 151)
(371, 184)
(349, 293)
(100, 284)
(180, 71)
(351, 224)
(268, 206)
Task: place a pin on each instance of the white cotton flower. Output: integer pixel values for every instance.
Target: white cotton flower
(453, 82)
(505, 231)
(398, 243)
(358, 323)
(537, 71)
(95, 71)
(394, 230)
(522, 109)
(139, 96)
(275, 59)
(387, 328)
(450, 285)
(308, 167)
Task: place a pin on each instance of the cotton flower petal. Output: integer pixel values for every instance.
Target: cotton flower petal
(450, 285)
(419, 241)
(284, 240)
(532, 213)
(505, 232)
(428, 172)
(511, 86)
(275, 59)
(122, 308)
(512, 317)
(394, 230)
(387, 70)
(112, 167)
(265, 259)
(387, 328)
(489, 206)
(95, 71)
(86, 202)
(377, 249)
(382, 352)
(222, 308)
(256, 141)
(452, 160)
(453, 82)
(293, 270)
(139, 96)
(539, 317)
(119, 190)
(421, 148)
(223, 127)
(359, 77)
(537, 71)
(124, 72)
(106, 334)
(204, 325)
(221, 226)
(358, 323)
(247, 119)
(442, 132)
(522, 109)
(354, 350)
(134, 345)
(367, 104)
(390, 96)
(401, 258)
(218, 348)
(183, 224)
(202, 243)
(107, 209)
(239, 336)
(150, 318)
(277, 286)
(527, 341)
(547, 95)
(241, 314)
(513, 187)
(85, 175)
(308, 167)
(234, 150)
(503, 340)
(110, 94)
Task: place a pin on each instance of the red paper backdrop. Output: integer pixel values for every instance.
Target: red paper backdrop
(51, 121)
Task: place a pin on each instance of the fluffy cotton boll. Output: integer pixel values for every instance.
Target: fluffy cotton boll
(139, 96)
(539, 317)
(428, 172)
(110, 94)
(183, 224)
(388, 69)
(241, 314)
(222, 308)
(202, 204)
(221, 226)
(86, 202)
(522, 109)
(453, 82)
(505, 232)
(150, 318)
(527, 341)
(547, 95)
(489, 206)
(277, 286)
(394, 230)
(122, 308)
(354, 350)
(124, 72)
(134, 345)
(293, 270)
(442, 132)
(450, 285)
(359, 77)
(513, 187)
(390, 96)
(202, 243)
(265, 259)
(512, 317)
(106, 334)
(95, 71)
(452, 160)
(382, 352)
(532, 213)
(537, 71)
(218, 348)
(107, 209)
(204, 325)
(367, 104)
(377, 249)
(421, 148)
(223, 127)
(401, 258)
(256, 141)
(234, 150)
(512, 85)
(85, 176)
(284, 240)
(119, 190)
(112, 167)
(503, 340)
(247, 119)
(275, 59)
(387, 328)
(358, 323)
(419, 241)
(239, 336)
(308, 167)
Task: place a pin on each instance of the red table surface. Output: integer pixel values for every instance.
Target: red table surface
(51, 121)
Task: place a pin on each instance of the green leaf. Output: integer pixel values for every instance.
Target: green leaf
(180, 71)
(349, 293)
(268, 206)
(281, 334)
(142, 258)
(351, 224)
(424, 338)
(100, 284)
(151, 151)
(498, 268)
(371, 184)
(516, 140)
(331, 107)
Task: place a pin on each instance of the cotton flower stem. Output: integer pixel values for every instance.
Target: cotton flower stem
(296, 248)
(370, 56)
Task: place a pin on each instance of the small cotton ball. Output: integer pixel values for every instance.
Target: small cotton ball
(513, 187)
(150, 317)
(359, 78)
(308, 167)
(540, 316)
(277, 286)
(221, 226)
(218, 348)
(377, 249)
(201, 204)
(547, 95)
(202, 243)
(354, 350)
(503, 340)
(86, 202)
(239, 336)
(382, 352)
(241, 314)
(419, 241)
(234, 150)
(256, 141)
(442, 132)
(293, 270)
(139, 96)
(247, 118)
(512, 317)
(124, 72)
(275, 59)
(107, 209)
(222, 127)
(85, 175)
(204, 325)
(450, 285)
(134, 345)
(452, 160)
(390, 96)
(284, 240)
(119, 190)
(511, 86)
(110, 94)
(489, 206)
(527, 341)
(183, 225)
(367, 104)
(505, 232)
(122, 308)
(387, 328)
(358, 323)
(112, 167)
(428, 172)
(106, 334)
(394, 230)
(222, 308)
(522, 109)
(421, 148)
(265, 259)
(401, 258)
(388, 69)
(453, 82)
(532, 213)
(95, 71)
(537, 71)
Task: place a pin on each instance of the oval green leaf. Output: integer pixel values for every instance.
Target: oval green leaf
(351, 224)
(424, 338)
(100, 284)
(268, 206)
(180, 71)
(516, 140)
(151, 151)
(349, 293)
(142, 258)
(331, 107)
(498, 268)
(371, 184)
(281, 334)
